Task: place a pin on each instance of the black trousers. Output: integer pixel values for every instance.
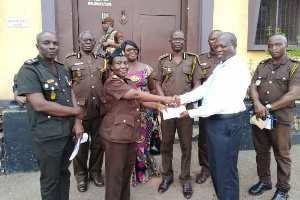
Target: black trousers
(53, 160)
(223, 141)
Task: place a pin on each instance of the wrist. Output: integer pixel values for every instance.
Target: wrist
(269, 107)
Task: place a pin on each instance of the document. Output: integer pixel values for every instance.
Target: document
(267, 123)
(84, 139)
(173, 112)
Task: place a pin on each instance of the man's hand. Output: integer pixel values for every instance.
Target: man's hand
(184, 114)
(77, 129)
(260, 110)
(21, 100)
(161, 107)
(79, 112)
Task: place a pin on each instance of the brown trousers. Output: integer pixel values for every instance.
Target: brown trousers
(202, 147)
(119, 162)
(279, 139)
(81, 171)
(184, 129)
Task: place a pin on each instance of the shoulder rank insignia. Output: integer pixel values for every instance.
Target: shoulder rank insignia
(295, 60)
(71, 54)
(163, 56)
(265, 60)
(31, 61)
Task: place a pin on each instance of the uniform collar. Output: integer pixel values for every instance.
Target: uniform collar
(43, 61)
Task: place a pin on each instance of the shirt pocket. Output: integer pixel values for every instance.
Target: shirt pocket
(261, 80)
(78, 72)
(282, 80)
(187, 70)
(48, 126)
(166, 71)
(51, 91)
(123, 127)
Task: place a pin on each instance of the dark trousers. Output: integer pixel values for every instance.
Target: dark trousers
(223, 141)
(119, 162)
(279, 139)
(53, 160)
(81, 171)
(202, 147)
(184, 129)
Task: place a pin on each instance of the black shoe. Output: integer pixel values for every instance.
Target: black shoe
(164, 186)
(82, 186)
(187, 191)
(98, 181)
(280, 194)
(259, 188)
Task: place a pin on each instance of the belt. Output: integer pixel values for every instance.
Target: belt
(225, 116)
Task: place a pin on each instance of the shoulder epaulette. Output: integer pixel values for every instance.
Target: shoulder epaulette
(295, 60)
(192, 54)
(71, 54)
(163, 56)
(31, 61)
(265, 60)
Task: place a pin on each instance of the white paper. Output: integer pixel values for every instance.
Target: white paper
(84, 139)
(173, 112)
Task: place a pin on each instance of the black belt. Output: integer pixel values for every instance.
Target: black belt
(225, 116)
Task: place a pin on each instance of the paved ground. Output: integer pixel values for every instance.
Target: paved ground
(25, 186)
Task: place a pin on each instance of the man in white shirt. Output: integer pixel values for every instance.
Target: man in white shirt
(223, 94)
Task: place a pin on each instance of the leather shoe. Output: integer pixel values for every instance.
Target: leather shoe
(98, 181)
(280, 194)
(259, 188)
(201, 178)
(82, 186)
(164, 186)
(187, 191)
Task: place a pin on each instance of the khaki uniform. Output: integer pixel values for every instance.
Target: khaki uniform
(51, 135)
(114, 37)
(120, 130)
(273, 81)
(208, 63)
(177, 79)
(87, 78)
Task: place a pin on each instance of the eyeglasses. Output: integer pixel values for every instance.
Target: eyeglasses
(131, 50)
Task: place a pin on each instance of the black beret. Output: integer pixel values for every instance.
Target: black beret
(117, 52)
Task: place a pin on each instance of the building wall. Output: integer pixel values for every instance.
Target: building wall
(232, 16)
(17, 44)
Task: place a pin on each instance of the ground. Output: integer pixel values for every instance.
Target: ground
(25, 186)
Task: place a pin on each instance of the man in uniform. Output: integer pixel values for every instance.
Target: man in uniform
(275, 87)
(208, 61)
(51, 108)
(111, 40)
(177, 73)
(86, 72)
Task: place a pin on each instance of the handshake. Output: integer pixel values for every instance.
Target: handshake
(173, 102)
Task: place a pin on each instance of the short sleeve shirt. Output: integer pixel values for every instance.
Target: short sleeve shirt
(175, 76)
(273, 81)
(121, 123)
(35, 76)
(87, 78)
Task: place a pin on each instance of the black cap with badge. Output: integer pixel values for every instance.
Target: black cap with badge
(117, 52)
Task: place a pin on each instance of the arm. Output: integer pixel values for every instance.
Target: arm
(40, 104)
(144, 96)
(288, 98)
(151, 82)
(158, 86)
(77, 128)
(260, 110)
(19, 99)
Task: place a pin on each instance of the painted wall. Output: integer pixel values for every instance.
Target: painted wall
(17, 44)
(232, 16)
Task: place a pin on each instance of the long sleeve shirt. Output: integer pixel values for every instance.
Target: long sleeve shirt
(223, 92)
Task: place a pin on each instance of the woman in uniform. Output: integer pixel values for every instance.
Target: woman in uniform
(121, 125)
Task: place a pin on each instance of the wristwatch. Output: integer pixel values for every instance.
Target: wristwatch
(269, 107)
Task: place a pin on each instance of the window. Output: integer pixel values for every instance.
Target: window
(267, 17)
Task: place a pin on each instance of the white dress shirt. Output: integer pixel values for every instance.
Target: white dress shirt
(223, 92)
